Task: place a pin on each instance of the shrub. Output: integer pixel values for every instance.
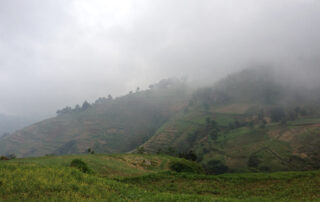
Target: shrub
(140, 150)
(4, 158)
(82, 166)
(216, 167)
(12, 156)
(185, 166)
(253, 161)
(189, 156)
(8, 157)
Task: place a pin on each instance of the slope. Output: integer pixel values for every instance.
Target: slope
(108, 125)
(249, 121)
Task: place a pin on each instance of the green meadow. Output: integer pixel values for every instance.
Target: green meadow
(134, 177)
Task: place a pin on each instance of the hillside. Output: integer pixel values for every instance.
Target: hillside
(250, 121)
(9, 124)
(253, 120)
(106, 126)
(144, 178)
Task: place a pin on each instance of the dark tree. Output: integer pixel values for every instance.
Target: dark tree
(189, 156)
(85, 106)
(277, 114)
(216, 167)
(253, 161)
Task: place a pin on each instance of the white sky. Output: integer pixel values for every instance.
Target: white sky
(56, 53)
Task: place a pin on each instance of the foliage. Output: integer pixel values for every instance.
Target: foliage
(254, 161)
(140, 150)
(215, 167)
(2, 158)
(8, 157)
(185, 166)
(189, 155)
(81, 165)
(277, 114)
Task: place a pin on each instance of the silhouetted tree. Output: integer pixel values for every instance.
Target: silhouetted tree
(216, 167)
(277, 114)
(85, 105)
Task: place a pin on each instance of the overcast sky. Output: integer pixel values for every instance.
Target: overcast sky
(55, 53)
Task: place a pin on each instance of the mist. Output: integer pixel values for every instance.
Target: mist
(59, 53)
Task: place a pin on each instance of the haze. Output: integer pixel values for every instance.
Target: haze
(58, 53)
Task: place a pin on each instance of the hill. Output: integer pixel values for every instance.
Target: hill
(144, 178)
(253, 120)
(9, 124)
(108, 125)
(249, 121)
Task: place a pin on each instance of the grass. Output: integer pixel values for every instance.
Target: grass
(304, 121)
(281, 186)
(122, 178)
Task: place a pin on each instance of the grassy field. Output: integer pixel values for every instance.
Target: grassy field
(132, 177)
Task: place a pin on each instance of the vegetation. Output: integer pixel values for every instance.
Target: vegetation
(185, 166)
(79, 164)
(109, 125)
(127, 178)
(249, 121)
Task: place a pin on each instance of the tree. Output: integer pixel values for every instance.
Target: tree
(206, 107)
(141, 150)
(85, 106)
(65, 110)
(216, 167)
(277, 114)
(253, 161)
(109, 97)
(77, 108)
(261, 115)
(189, 156)
(90, 151)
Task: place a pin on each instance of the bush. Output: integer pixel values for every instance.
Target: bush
(185, 166)
(8, 157)
(189, 156)
(140, 150)
(253, 161)
(216, 167)
(82, 166)
(4, 158)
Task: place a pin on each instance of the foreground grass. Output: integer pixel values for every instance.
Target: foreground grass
(282, 186)
(52, 179)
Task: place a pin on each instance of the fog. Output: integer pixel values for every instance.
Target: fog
(58, 53)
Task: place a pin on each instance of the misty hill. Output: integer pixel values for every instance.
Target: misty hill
(253, 120)
(109, 125)
(9, 124)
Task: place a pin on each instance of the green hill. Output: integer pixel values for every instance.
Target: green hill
(253, 120)
(108, 125)
(143, 178)
(249, 121)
